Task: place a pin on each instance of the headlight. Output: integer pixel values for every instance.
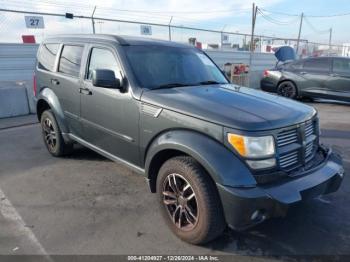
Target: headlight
(252, 147)
(255, 147)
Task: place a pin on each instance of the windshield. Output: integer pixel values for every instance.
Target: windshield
(165, 67)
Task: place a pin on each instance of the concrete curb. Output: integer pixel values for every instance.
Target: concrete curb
(13, 101)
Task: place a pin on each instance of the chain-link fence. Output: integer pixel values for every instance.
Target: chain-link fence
(13, 27)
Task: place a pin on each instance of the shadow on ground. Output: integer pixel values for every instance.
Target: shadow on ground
(316, 227)
(83, 153)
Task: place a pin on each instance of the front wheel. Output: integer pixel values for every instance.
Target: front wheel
(287, 89)
(189, 201)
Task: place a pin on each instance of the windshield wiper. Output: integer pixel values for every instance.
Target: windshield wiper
(170, 85)
(209, 82)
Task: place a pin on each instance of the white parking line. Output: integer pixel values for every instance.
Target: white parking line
(9, 212)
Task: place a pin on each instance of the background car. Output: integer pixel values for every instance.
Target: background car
(321, 77)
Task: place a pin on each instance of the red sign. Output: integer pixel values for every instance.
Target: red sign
(199, 45)
(28, 39)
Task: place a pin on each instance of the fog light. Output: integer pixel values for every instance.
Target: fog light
(258, 215)
(260, 164)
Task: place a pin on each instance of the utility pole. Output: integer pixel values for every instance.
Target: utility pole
(93, 21)
(169, 26)
(255, 8)
(252, 43)
(330, 41)
(299, 34)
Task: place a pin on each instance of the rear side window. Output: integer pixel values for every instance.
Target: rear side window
(70, 60)
(341, 66)
(103, 59)
(320, 64)
(47, 56)
(297, 65)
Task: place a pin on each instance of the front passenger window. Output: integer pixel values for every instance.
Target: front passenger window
(103, 59)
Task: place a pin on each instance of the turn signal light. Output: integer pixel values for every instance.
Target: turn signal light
(237, 142)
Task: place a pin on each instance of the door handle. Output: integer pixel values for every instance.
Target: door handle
(334, 75)
(303, 73)
(85, 91)
(55, 81)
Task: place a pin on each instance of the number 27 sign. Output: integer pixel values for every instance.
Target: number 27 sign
(34, 21)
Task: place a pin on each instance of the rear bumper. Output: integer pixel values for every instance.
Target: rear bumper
(246, 207)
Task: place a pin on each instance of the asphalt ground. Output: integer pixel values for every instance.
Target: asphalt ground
(85, 204)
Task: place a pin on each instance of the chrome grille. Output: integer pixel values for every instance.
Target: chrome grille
(289, 159)
(309, 149)
(287, 137)
(292, 148)
(309, 129)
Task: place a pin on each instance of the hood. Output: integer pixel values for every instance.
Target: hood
(231, 106)
(285, 53)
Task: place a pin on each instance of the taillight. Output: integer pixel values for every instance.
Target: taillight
(266, 73)
(34, 85)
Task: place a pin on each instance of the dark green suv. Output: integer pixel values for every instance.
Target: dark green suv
(217, 154)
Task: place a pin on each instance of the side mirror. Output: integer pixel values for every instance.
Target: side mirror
(105, 78)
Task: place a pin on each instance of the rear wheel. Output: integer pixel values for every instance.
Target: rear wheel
(52, 135)
(287, 89)
(189, 201)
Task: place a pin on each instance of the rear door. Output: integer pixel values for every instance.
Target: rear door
(339, 81)
(315, 74)
(66, 83)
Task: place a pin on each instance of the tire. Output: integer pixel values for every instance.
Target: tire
(287, 89)
(52, 135)
(197, 209)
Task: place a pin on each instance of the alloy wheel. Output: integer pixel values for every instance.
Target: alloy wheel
(287, 90)
(49, 134)
(180, 201)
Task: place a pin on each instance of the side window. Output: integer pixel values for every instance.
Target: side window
(103, 59)
(341, 66)
(47, 56)
(297, 65)
(70, 60)
(318, 64)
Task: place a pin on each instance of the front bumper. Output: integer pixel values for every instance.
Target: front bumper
(246, 207)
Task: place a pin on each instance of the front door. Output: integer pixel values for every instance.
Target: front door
(110, 117)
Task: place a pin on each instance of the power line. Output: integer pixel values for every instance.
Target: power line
(273, 20)
(313, 28)
(279, 13)
(308, 15)
(328, 16)
(69, 5)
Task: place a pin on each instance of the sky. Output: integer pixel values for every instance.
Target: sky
(226, 15)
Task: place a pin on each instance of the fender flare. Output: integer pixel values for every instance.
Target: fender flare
(224, 167)
(50, 97)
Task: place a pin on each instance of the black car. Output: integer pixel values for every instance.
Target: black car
(215, 153)
(321, 77)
